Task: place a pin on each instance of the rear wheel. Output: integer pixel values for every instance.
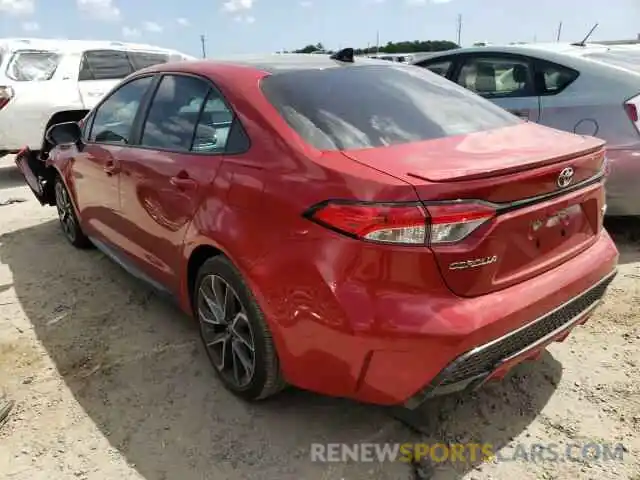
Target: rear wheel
(234, 332)
(67, 216)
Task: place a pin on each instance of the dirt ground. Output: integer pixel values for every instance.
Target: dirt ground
(110, 382)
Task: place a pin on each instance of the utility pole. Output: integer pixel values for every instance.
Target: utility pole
(559, 32)
(459, 29)
(377, 42)
(204, 47)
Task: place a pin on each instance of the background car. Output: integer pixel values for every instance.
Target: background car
(589, 90)
(43, 82)
(354, 227)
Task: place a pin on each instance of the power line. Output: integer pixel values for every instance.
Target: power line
(559, 32)
(204, 47)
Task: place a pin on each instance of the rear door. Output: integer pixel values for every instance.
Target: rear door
(506, 80)
(100, 71)
(187, 132)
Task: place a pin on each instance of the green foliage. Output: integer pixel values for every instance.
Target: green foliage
(392, 47)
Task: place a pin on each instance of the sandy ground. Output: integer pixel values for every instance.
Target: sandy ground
(110, 382)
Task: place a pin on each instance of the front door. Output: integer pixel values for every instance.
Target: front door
(163, 182)
(506, 80)
(95, 173)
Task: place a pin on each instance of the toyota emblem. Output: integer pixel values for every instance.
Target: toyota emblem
(565, 178)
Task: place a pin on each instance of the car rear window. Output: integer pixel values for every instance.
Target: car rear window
(345, 108)
(32, 65)
(625, 59)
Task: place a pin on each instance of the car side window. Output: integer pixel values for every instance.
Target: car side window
(497, 76)
(441, 67)
(552, 78)
(140, 60)
(174, 113)
(116, 64)
(104, 65)
(113, 119)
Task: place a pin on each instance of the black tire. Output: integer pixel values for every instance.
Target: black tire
(266, 379)
(68, 218)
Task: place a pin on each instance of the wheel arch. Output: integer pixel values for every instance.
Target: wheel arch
(196, 259)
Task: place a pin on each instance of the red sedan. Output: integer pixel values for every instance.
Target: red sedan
(349, 226)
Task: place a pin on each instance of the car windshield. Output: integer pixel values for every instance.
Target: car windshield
(378, 105)
(32, 65)
(619, 58)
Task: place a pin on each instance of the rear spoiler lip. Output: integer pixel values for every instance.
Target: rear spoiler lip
(515, 169)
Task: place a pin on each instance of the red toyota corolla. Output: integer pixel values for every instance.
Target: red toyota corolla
(352, 227)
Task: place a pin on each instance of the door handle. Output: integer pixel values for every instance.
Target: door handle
(183, 183)
(111, 168)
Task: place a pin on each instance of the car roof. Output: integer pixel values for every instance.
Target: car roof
(543, 50)
(77, 46)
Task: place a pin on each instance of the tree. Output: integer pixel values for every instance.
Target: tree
(406, 46)
(318, 47)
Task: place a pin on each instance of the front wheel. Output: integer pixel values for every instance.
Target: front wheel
(234, 332)
(67, 216)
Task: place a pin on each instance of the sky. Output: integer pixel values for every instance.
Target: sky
(262, 26)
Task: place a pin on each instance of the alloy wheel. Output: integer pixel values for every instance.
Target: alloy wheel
(226, 331)
(65, 211)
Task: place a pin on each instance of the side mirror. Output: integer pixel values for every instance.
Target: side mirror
(65, 134)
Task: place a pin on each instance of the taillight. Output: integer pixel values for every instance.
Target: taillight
(631, 107)
(452, 222)
(6, 94)
(403, 223)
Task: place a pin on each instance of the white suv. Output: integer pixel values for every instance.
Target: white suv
(43, 82)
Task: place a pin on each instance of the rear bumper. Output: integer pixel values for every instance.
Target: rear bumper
(494, 359)
(623, 194)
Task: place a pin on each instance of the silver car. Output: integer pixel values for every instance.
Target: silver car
(586, 89)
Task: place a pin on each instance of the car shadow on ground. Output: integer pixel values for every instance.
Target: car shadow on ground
(625, 231)
(10, 177)
(134, 364)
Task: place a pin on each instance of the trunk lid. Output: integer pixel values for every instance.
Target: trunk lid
(540, 222)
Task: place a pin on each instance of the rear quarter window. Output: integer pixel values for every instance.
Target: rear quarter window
(552, 78)
(377, 105)
(32, 65)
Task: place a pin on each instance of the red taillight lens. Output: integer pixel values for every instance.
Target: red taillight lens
(386, 223)
(410, 224)
(631, 108)
(453, 222)
(6, 94)
(632, 111)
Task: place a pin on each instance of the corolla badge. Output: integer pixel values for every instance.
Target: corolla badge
(475, 263)
(565, 178)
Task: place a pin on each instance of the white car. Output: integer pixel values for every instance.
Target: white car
(44, 82)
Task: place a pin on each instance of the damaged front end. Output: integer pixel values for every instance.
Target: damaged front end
(38, 174)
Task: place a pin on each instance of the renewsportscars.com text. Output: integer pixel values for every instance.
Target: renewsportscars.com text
(465, 452)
